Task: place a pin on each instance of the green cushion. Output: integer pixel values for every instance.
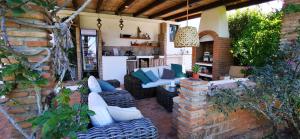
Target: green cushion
(151, 76)
(178, 70)
(141, 75)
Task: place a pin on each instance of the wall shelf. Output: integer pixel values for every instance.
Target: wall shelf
(205, 75)
(135, 38)
(142, 45)
(204, 64)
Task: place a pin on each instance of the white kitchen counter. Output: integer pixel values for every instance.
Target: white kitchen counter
(114, 67)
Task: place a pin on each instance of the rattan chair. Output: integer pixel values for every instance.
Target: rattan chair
(135, 129)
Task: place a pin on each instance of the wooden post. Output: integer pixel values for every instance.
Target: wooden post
(100, 68)
(78, 49)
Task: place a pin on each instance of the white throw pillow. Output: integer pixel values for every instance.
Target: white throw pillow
(124, 114)
(99, 106)
(93, 84)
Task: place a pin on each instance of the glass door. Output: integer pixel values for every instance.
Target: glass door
(89, 52)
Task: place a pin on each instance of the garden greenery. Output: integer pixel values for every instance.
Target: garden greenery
(276, 95)
(255, 36)
(61, 119)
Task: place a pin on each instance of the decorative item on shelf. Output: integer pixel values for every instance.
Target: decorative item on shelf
(196, 69)
(125, 35)
(139, 32)
(186, 36)
(121, 25)
(206, 57)
(99, 25)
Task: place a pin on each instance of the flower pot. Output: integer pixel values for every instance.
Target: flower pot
(196, 76)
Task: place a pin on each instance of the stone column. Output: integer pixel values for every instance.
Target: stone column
(290, 22)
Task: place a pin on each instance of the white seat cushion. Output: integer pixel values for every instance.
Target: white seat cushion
(124, 114)
(161, 82)
(93, 84)
(99, 106)
(153, 69)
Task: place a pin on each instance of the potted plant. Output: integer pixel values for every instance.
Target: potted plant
(196, 69)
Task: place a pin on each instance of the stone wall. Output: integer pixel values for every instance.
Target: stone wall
(289, 23)
(194, 118)
(23, 37)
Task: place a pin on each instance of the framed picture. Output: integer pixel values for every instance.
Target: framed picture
(172, 32)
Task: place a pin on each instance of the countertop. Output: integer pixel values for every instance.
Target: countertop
(138, 57)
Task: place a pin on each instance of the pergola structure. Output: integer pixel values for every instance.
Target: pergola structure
(158, 9)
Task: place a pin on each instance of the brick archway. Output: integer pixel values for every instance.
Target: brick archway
(211, 33)
(221, 54)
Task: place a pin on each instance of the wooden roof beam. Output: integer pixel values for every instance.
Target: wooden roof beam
(124, 6)
(201, 8)
(228, 8)
(245, 4)
(149, 7)
(190, 17)
(174, 8)
(99, 4)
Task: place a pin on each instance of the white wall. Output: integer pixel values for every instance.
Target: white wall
(216, 20)
(111, 30)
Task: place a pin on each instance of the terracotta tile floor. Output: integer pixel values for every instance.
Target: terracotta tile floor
(159, 116)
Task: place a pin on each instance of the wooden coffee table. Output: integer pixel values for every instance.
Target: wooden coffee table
(165, 95)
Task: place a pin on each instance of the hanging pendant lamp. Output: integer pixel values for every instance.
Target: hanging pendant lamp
(186, 36)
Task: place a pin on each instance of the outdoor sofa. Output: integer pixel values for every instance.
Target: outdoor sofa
(140, 90)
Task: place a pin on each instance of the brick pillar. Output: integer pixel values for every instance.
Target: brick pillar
(189, 110)
(194, 118)
(24, 37)
(289, 23)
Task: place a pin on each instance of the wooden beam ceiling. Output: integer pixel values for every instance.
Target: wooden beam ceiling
(190, 17)
(149, 7)
(200, 8)
(123, 6)
(228, 8)
(99, 4)
(246, 4)
(172, 9)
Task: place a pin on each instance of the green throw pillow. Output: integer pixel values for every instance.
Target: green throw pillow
(178, 70)
(141, 75)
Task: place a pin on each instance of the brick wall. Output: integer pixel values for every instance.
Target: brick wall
(222, 58)
(289, 23)
(24, 37)
(194, 118)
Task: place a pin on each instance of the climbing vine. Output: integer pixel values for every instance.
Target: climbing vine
(17, 71)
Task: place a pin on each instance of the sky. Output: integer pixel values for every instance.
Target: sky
(264, 7)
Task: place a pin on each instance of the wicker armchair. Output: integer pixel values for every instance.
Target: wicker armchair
(134, 129)
(134, 86)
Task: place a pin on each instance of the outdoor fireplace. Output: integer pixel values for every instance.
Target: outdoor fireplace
(213, 55)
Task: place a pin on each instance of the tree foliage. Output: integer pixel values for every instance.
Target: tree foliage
(255, 36)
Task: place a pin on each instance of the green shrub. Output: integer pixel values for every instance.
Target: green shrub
(255, 36)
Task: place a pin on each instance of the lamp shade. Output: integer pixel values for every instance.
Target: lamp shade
(186, 37)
